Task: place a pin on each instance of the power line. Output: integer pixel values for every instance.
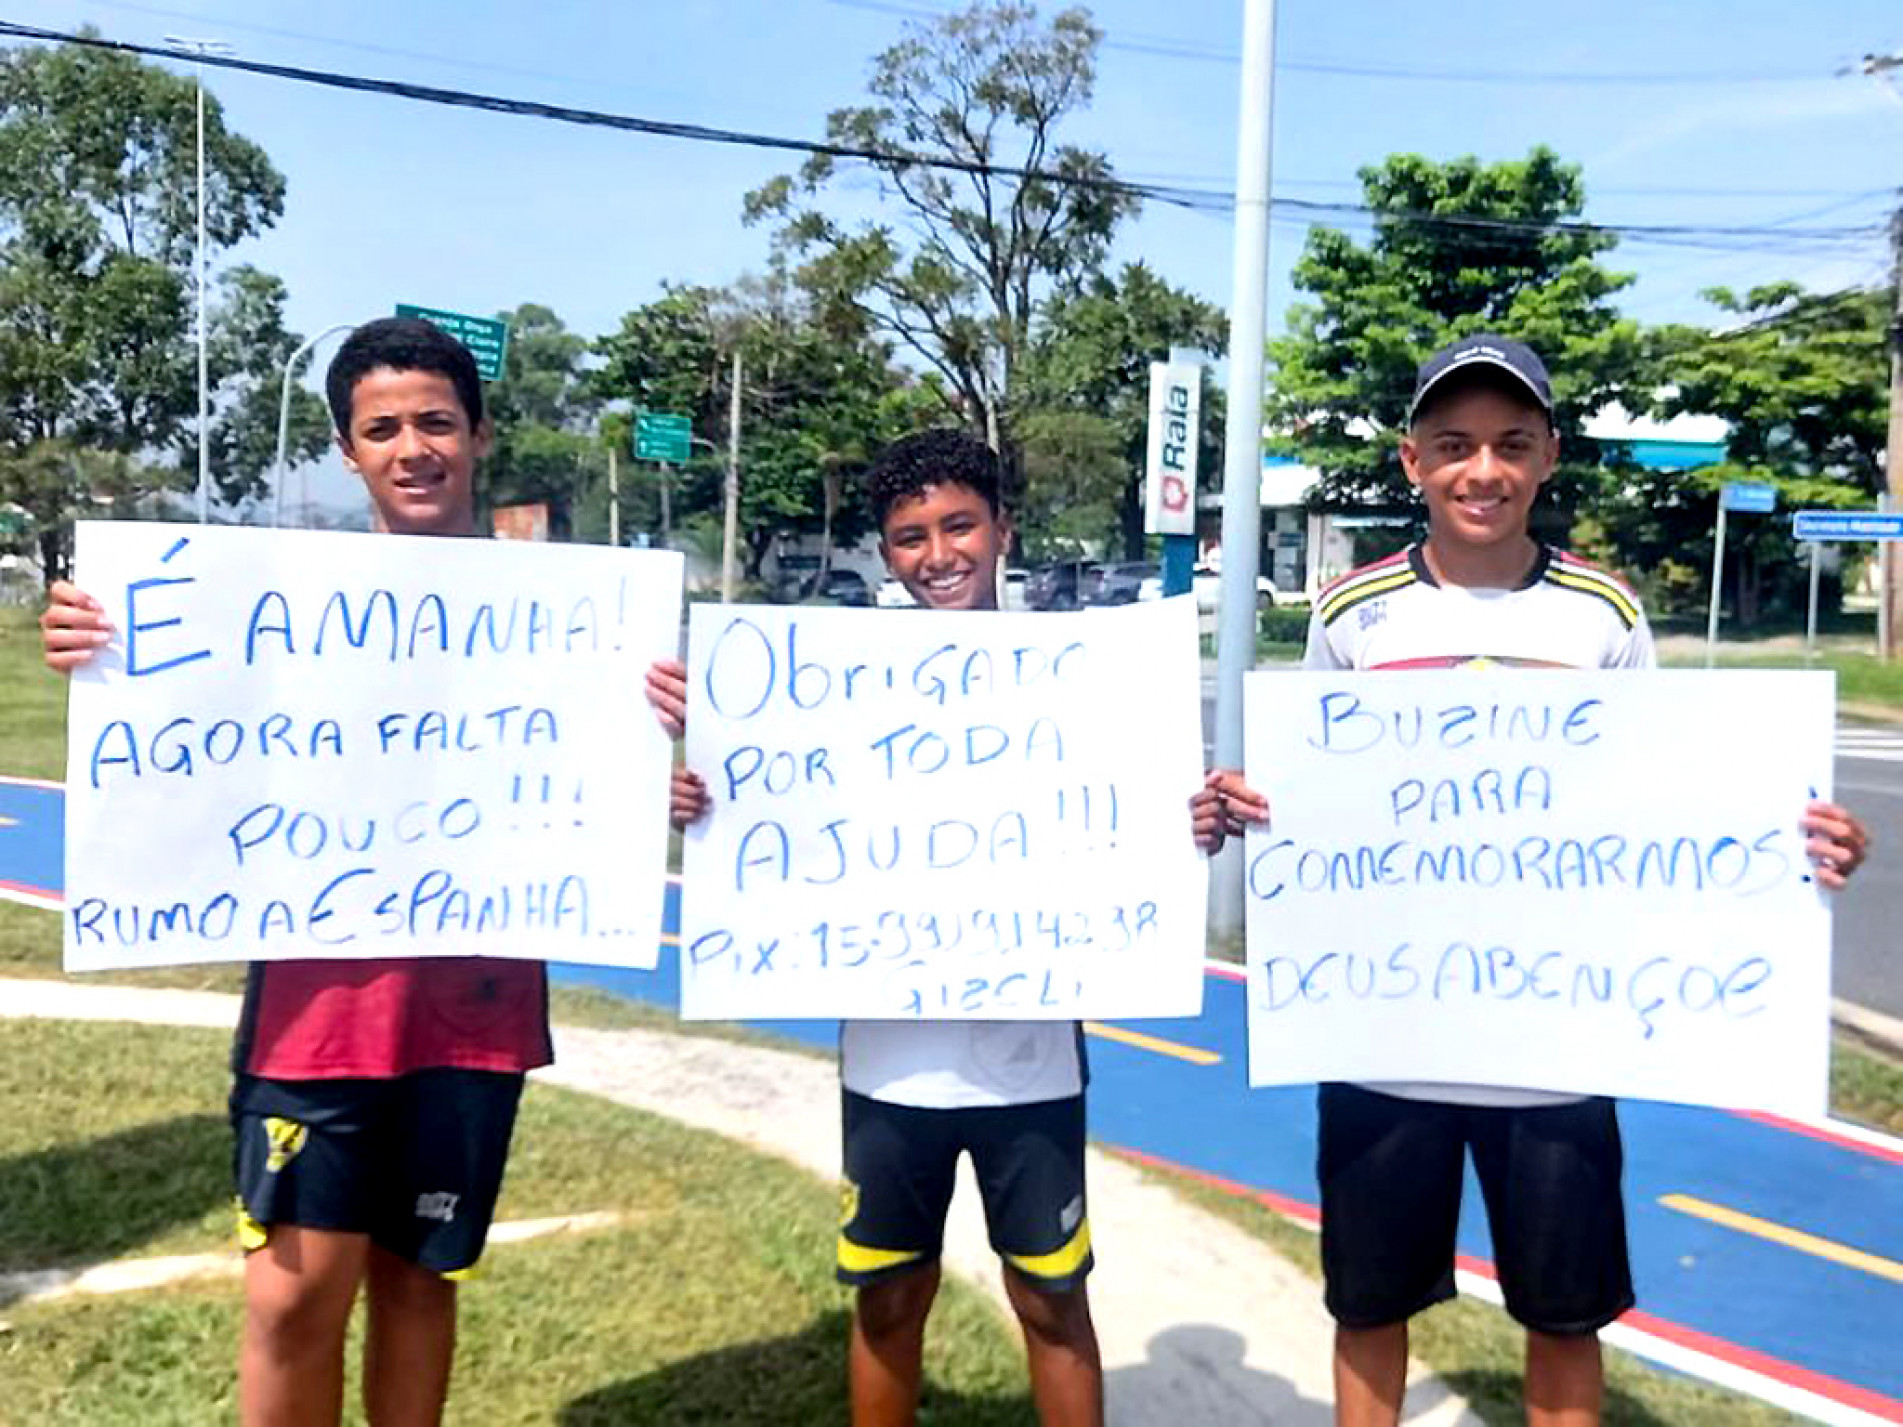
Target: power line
(1473, 227)
(1169, 47)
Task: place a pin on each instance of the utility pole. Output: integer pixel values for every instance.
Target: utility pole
(1884, 69)
(614, 498)
(1893, 450)
(1242, 438)
(730, 530)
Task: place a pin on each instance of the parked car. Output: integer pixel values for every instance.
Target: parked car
(1060, 586)
(1125, 583)
(791, 578)
(1206, 583)
(1016, 589)
(893, 595)
(840, 587)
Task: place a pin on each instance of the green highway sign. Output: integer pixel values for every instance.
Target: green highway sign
(663, 436)
(486, 338)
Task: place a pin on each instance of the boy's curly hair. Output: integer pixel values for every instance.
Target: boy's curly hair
(932, 458)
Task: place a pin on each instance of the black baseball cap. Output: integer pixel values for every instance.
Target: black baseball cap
(1484, 350)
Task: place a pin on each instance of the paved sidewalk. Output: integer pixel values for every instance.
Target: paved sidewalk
(1199, 1322)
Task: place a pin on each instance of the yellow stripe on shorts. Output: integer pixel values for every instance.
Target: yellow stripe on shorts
(1059, 1263)
(857, 1258)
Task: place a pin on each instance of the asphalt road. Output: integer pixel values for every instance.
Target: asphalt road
(1868, 947)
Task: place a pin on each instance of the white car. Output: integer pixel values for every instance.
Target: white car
(892, 595)
(1206, 583)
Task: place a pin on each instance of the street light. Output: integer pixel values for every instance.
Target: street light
(284, 418)
(201, 47)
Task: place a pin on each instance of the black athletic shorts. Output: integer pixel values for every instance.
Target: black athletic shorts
(415, 1162)
(900, 1167)
(1390, 1171)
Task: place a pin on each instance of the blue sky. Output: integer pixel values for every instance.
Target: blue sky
(1753, 125)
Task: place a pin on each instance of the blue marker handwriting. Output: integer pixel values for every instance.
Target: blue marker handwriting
(186, 746)
(752, 669)
(948, 961)
(359, 904)
(1745, 865)
(1058, 822)
(1652, 990)
(1351, 723)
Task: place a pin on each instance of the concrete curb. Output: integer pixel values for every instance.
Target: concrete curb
(1873, 1028)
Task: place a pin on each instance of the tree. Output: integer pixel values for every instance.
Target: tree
(667, 356)
(1091, 355)
(543, 410)
(1457, 248)
(819, 396)
(247, 347)
(1802, 379)
(957, 281)
(97, 181)
(54, 481)
(1075, 472)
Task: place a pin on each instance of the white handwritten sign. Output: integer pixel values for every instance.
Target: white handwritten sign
(1589, 882)
(307, 744)
(944, 815)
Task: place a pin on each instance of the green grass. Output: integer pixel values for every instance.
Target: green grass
(1865, 684)
(32, 702)
(712, 1301)
(1478, 1349)
(1866, 1085)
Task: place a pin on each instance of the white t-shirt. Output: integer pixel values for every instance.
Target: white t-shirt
(1565, 614)
(958, 1065)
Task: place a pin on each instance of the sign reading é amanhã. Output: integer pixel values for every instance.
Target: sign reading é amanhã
(485, 337)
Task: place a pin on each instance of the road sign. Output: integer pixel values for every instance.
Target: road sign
(486, 338)
(1753, 497)
(1846, 525)
(663, 436)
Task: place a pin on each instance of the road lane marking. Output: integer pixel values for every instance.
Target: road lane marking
(1195, 1055)
(1790, 1238)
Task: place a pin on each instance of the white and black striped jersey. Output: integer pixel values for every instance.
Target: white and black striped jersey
(1393, 614)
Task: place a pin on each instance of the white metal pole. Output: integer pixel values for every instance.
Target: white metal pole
(1886, 577)
(614, 497)
(204, 397)
(730, 529)
(278, 468)
(1810, 621)
(201, 47)
(1717, 584)
(1242, 440)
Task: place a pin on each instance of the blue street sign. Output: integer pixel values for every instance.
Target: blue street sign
(1846, 525)
(1753, 497)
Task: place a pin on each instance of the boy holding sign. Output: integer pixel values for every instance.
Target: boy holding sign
(1479, 589)
(374, 1099)
(917, 1095)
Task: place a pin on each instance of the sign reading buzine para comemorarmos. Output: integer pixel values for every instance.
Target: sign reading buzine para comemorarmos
(1567, 881)
(312, 744)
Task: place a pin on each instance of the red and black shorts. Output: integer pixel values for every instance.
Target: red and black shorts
(1391, 1172)
(415, 1162)
(901, 1164)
